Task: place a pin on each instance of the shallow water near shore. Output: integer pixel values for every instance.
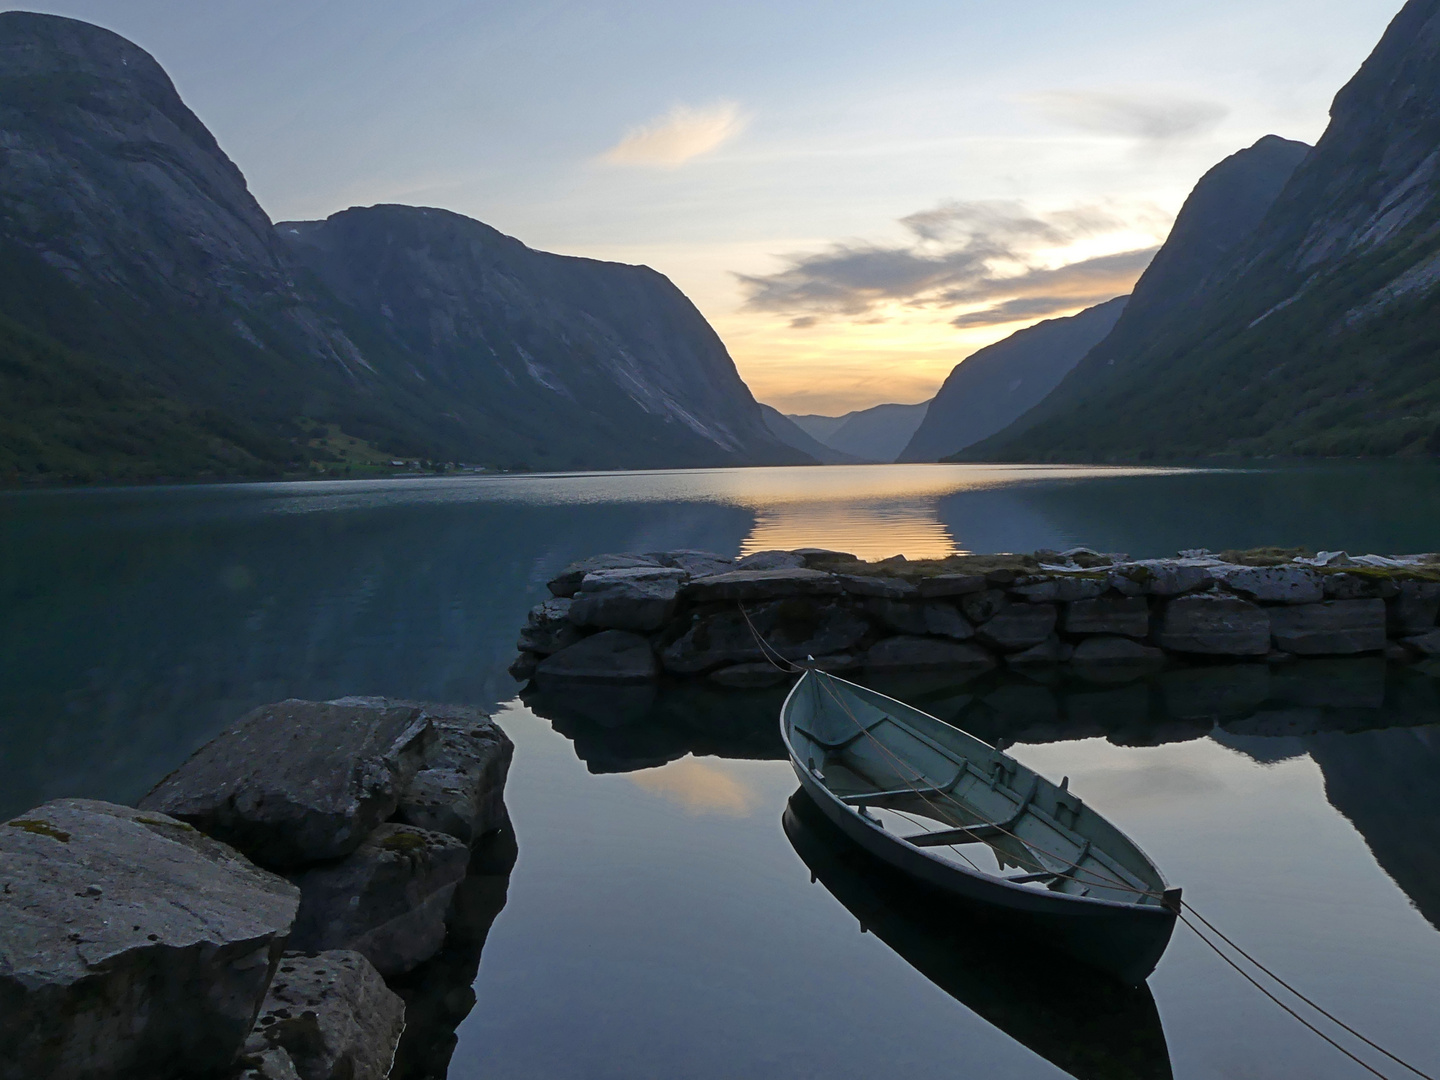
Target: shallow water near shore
(659, 921)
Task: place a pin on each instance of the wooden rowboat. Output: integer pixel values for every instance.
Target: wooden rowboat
(962, 817)
(1088, 1024)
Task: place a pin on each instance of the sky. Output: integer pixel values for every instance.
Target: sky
(856, 195)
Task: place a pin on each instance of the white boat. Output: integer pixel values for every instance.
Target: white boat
(962, 817)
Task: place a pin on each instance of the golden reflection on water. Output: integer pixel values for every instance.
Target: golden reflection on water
(875, 511)
(871, 530)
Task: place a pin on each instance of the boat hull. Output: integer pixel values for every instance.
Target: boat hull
(1124, 940)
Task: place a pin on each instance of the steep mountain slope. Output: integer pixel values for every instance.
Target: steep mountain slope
(130, 241)
(878, 433)
(63, 417)
(992, 387)
(1318, 334)
(793, 435)
(609, 362)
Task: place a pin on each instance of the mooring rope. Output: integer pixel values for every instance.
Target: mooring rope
(779, 661)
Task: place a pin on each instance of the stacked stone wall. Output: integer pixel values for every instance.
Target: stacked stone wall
(691, 615)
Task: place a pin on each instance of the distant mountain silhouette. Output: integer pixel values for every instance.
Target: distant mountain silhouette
(997, 384)
(878, 433)
(792, 434)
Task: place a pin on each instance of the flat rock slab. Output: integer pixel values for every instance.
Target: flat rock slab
(1275, 584)
(1216, 625)
(130, 944)
(1334, 627)
(640, 599)
(762, 585)
(771, 560)
(330, 1016)
(386, 900)
(695, 563)
(609, 656)
(567, 582)
(300, 781)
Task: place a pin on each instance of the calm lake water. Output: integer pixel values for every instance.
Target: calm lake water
(661, 918)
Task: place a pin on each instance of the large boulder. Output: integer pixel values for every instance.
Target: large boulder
(1414, 609)
(1018, 626)
(567, 582)
(1215, 624)
(641, 599)
(1287, 584)
(1334, 627)
(609, 656)
(959, 658)
(299, 781)
(130, 944)
(1358, 586)
(549, 629)
(1126, 616)
(751, 585)
(1163, 577)
(386, 900)
(460, 787)
(328, 1016)
(795, 629)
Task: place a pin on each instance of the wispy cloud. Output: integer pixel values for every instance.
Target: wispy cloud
(681, 134)
(962, 255)
(1149, 118)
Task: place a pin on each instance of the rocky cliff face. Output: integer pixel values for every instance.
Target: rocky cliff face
(994, 386)
(129, 241)
(560, 350)
(1206, 244)
(1315, 334)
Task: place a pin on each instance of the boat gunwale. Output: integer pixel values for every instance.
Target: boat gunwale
(1048, 897)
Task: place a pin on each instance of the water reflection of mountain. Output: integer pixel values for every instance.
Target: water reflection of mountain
(130, 633)
(1085, 1023)
(1385, 783)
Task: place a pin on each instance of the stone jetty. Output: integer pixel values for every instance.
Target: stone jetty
(639, 618)
(281, 907)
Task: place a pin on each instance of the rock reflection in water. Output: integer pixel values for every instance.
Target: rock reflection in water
(625, 728)
(439, 993)
(1083, 1022)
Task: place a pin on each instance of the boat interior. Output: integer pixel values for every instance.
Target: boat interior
(946, 792)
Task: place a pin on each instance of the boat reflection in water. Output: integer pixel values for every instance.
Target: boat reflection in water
(1082, 1021)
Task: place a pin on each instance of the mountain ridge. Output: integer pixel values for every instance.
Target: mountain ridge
(1317, 338)
(130, 241)
(997, 384)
